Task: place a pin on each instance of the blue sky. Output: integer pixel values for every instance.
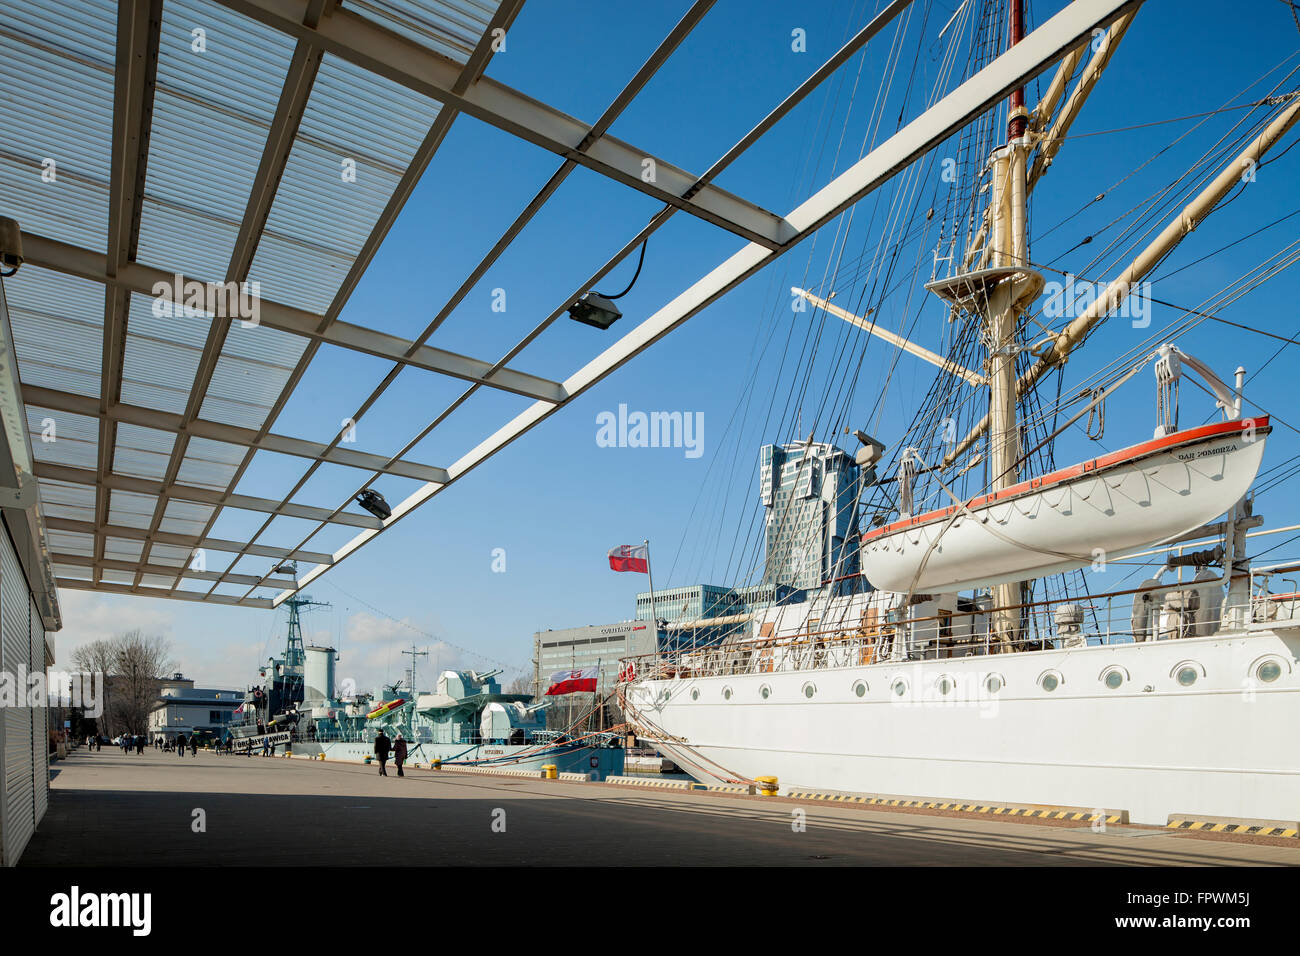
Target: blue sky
(554, 500)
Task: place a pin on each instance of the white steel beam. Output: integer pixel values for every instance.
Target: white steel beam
(1017, 66)
(113, 564)
(174, 594)
(360, 41)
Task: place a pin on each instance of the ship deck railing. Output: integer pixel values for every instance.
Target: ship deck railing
(1108, 620)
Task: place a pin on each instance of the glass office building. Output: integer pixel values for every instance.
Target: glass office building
(809, 493)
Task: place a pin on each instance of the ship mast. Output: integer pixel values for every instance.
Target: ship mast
(1009, 250)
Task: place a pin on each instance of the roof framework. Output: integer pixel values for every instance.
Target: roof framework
(158, 416)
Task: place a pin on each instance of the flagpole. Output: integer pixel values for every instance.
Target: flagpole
(654, 619)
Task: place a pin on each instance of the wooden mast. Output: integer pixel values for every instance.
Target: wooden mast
(1009, 249)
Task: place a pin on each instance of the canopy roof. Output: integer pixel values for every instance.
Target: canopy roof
(147, 416)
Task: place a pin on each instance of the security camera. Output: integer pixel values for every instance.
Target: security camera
(11, 246)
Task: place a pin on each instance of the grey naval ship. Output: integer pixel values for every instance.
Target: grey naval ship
(466, 721)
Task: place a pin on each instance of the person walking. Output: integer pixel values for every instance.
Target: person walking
(180, 744)
(399, 753)
(139, 745)
(194, 745)
(382, 746)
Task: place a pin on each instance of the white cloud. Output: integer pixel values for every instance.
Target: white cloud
(370, 653)
(89, 617)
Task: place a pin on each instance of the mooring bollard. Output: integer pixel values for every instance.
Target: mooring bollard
(550, 771)
(767, 786)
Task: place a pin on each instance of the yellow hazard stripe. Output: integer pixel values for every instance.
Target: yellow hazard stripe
(962, 807)
(1246, 828)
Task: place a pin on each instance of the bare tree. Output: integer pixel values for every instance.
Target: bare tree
(521, 685)
(141, 663)
(133, 666)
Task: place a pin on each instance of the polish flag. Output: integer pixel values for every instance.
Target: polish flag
(572, 682)
(630, 557)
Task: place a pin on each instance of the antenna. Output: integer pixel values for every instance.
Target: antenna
(410, 671)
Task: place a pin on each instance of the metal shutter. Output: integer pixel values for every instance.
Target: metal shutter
(40, 721)
(15, 657)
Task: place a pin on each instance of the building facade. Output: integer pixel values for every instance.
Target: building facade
(809, 493)
(185, 709)
(595, 645)
(29, 616)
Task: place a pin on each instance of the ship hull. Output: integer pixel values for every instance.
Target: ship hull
(1221, 747)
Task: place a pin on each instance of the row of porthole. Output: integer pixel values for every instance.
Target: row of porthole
(1266, 672)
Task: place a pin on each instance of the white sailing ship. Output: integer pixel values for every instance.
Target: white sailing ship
(977, 665)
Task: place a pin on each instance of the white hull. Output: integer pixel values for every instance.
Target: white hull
(1225, 746)
(1124, 501)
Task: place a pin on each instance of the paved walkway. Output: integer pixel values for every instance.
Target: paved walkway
(107, 808)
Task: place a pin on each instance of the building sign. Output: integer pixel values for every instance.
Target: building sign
(244, 743)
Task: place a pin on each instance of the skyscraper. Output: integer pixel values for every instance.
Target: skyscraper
(809, 493)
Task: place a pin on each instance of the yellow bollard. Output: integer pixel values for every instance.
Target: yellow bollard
(767, 786)
(437, 765)
(550, 771)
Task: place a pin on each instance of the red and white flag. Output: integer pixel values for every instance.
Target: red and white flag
(630, 557)
(238, 710)
(573, 682)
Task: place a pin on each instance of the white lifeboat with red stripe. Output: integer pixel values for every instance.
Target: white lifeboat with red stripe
(1133, 498)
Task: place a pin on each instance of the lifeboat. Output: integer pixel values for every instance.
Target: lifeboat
(387, 707)
(1133, 498)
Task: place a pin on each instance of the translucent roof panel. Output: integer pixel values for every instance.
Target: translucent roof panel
(123, 549)
(142, 452)
(62, 438)
(58, 325)
(449, 28)
(210, 464)
(186, 517)
(213, 109)
(357, 136)
(71, 542)
(254, 366)
(126, 509)
(60, 499)
(160, 355)
(54, 158)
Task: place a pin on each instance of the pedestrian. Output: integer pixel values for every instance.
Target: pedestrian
(399, 753)
(266, 746)
(180, 744)
(194, 745)
(139, 745)
(382, 746)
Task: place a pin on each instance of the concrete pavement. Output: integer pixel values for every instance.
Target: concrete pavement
(111, 809)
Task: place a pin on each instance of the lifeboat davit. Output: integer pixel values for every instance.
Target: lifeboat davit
(1133, 498)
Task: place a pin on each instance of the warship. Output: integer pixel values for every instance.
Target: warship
(959, 647)
(466, 721)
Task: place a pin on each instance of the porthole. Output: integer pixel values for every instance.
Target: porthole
(993, 683)
(1050, 681)
(809, 690)
(944, 685)
(1187, 676)
(1268, 671)
(1114, 679)
(765, 692)
(860, 689)
(726, 693)
(899, 687)
(695, 694)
